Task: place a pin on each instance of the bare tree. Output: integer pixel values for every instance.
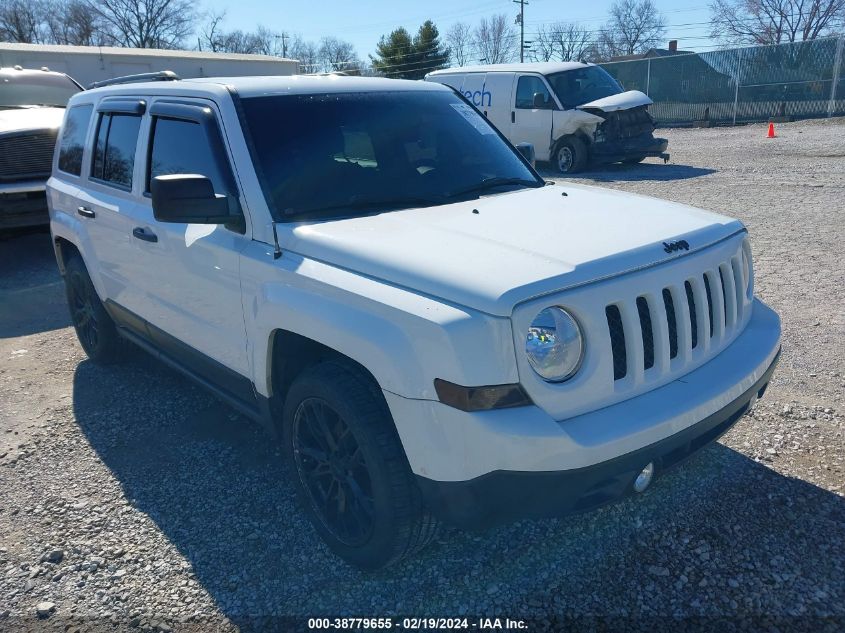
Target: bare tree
(212, 33)
(306, 52)
(495, 40)
(22, 21)
(634, 27)
(75, 22)
(562, 41)
(336, 54)
(774, 21)
(459, 41)
(147, 23)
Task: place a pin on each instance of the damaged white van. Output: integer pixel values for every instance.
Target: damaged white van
(574, 114)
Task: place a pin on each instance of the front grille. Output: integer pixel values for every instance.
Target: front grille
(26, 156)
(625, 124)
(652, 332)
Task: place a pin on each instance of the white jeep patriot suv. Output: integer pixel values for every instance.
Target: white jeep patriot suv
(368, 268)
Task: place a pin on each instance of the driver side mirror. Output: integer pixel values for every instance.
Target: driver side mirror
(539, 101)
(189, 199)
(527, 151)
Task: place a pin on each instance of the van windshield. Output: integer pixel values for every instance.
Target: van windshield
(346, 154)
(583, 85)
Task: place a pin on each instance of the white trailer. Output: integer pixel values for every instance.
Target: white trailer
(87, 64)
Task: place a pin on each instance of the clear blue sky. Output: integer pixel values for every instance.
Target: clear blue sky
(362, 23)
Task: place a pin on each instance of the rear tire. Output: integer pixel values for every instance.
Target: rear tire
(351, 473)
(570, 155)
(94, 327)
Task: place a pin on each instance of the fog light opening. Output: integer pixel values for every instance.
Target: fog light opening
(643, 480)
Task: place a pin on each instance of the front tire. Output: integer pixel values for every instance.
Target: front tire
(352, 476)
(94, 327)
(570, 155)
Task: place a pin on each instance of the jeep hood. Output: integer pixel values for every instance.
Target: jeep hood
(35, 118)
(519, 245)
(621, 101)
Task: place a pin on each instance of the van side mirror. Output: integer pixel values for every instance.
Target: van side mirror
(527, 151)
(539, 100)
(189, 199)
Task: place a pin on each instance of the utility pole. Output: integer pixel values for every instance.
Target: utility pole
(284, 36)
(521, 20)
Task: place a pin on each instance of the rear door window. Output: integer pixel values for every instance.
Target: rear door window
(74, 132)
(114, 149)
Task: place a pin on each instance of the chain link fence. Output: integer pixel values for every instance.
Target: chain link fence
(800, 79)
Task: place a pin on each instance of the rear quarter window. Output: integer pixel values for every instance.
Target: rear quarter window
(72, 143)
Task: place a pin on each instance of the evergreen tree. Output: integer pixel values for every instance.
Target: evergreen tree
(401, 57)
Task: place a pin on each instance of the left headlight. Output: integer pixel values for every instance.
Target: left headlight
(554, 344)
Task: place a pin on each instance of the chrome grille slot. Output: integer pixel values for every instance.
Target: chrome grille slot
(26, 156)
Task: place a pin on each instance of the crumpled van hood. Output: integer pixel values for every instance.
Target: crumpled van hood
(518, 246)
(622, 101)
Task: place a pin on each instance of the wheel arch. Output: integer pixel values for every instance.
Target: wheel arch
(292, 353)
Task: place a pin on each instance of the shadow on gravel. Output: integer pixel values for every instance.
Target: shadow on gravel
(632, 173)
(721, 535)
(32, 295)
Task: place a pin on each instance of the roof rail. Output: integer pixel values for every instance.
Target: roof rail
(162, 75)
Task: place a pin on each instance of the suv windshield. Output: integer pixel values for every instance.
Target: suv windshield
(583, 85)
(325, 155)
(20, 89)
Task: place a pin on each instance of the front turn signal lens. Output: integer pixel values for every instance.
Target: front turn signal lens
(481, 398)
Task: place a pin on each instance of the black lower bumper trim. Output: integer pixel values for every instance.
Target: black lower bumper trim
(504, 496)
(615, 151)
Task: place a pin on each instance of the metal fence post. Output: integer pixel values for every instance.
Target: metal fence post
(648, 78)
(837, 63)
(736, 82)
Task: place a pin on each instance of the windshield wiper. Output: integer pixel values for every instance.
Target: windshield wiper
(493, 182)
(370, 204)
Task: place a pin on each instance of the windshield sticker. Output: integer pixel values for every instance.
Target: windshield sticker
(473, 118)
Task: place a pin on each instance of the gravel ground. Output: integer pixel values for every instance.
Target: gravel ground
(130, 498)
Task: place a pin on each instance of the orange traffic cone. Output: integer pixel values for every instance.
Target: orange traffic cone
(771, 133)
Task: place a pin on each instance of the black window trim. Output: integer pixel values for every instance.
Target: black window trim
(101, 114)
(84, 141)
(122, 106)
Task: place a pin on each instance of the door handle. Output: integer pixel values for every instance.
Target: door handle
(85, 212)
(144, 234)
(513, 116)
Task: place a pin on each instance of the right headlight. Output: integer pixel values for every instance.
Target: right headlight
(554, 344)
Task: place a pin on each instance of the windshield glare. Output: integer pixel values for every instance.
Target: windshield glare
(352, 153)
(19, 89)
(583, 85)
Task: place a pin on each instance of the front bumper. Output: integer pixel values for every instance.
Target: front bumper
(492, 466)
(23, 204)
(629, 149)
(504, 496)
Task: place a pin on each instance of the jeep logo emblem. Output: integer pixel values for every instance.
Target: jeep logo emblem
(671, 247)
